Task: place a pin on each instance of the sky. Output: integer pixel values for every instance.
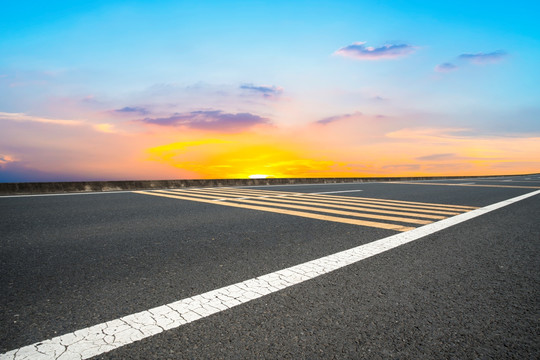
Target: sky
(135, 90)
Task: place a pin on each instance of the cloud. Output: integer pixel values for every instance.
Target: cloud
(21, 117)
(133, 110)
(481, 58)
(265, 90)
(6, 159)
(332, 119)
(210, 120)
(435, 157)
(446, 67)
(105, 128)
(388, 51)
(454, 157)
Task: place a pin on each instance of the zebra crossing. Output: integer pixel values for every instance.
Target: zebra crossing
(395, 215)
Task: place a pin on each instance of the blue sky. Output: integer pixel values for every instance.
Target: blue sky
(426, 64)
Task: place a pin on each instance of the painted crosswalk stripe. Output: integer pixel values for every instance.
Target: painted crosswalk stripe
(287, 212)
(394, 202)
(386, 205)
(102, 338)
(248, 191)
(232, 192)
(229, 194)
(291, 205)
(332, 204)
(318, 206)
(323, 200)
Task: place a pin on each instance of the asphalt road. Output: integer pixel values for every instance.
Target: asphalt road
(470, 291)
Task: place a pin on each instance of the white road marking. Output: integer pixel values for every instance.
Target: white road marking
(256, 197)
(292, 194)
(68, 194)
(471, 183)
(335, 192)
(104, 337)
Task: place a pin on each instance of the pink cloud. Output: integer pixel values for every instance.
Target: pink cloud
(214, 120)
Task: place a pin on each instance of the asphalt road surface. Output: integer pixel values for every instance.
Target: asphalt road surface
(241, 273)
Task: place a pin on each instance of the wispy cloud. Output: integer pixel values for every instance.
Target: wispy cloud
(105, 128)
(482, 58)
(446, 67)
(332, 119)
(437, 157)
(454, 157)
(6, 159)
(132, 110)
(388, 51)
(210, 120)
(265, 90)
(21, 117)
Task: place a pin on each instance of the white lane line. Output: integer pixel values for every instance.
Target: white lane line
(471, 183)
(104, 337)
(68, 194)
(335, 192)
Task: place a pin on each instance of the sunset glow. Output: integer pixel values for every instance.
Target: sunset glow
(134, 90)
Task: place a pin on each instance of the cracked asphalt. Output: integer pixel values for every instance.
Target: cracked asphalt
(470, 291)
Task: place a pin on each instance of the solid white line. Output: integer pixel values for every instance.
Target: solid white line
(335, 192)
(104, 337)
(194, 188)
(68, 194)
